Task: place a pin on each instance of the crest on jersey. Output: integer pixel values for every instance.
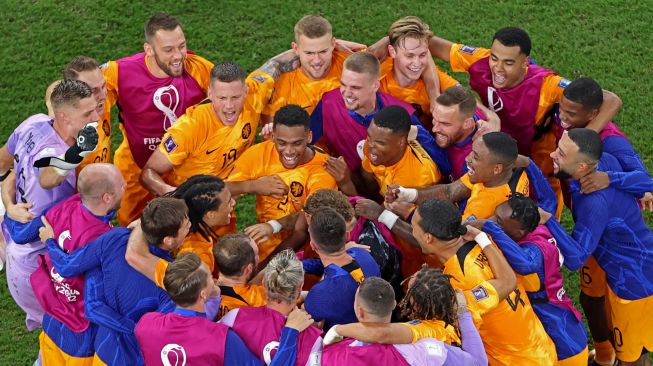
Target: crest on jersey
(246, 131)
(468, 49)
(297, 189)
(106, 127)
(564, 83)
(170, 144)
(480, 293)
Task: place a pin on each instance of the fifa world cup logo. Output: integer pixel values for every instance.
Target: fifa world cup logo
(166, 99)
(173, 355)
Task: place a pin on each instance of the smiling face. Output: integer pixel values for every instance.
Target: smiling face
(291, 143)
(574, 115)
(221, 216)
(410, 59)
(358, 91)
(482, 167)
(384, 147)
(566, 158)
(168, 48)
(508, 65)
(98, 86)
(315, 54)
(448, 125)
(228, 100)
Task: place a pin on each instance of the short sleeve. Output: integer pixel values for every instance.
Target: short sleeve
(466, 182)
(260, 87)
(181, 139)
(110, 73)
(462, 57)
(446, 80)
(160, 272)
(482, 298)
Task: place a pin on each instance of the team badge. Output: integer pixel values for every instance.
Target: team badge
(468, 49)
(170, 144)
(480, 293)
(564, 82)
(297, 189)
(258, 78)
(247, 131)
(106, 127)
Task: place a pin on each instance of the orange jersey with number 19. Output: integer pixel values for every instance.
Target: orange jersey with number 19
(199, 143)
(511, 332)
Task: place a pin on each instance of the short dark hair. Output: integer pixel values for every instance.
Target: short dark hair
(585, 91)
(363, 63)
(160, 21)
(330, 198)
(377, 296)
(525, 211)
(233, 253)
(227, 71)
(328, 230)
(441, 219)
(395, 118)
(69, 92)
(200, 192)
(78, 65)
(502, 147)
(588, 141)
(513, 36)
(184, 279)
(292, 115)
(458, 95)
(162, 217)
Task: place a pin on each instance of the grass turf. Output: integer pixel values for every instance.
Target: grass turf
(602, 39)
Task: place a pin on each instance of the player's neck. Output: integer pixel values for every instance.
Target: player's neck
(97, 210)
(284, 308)
(339, 259)
(197, 306)
(366, 110)
(401, 79)
(445, 252)
(58, 126)
(500, 179)
(231, 281)
(308, 156)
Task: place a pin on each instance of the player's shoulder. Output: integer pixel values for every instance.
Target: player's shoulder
(195, 60)
(464, 49)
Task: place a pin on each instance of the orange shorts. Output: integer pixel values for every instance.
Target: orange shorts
(592, 279)
(52, 355)
(580, 359)
(135, 197)
(631, 325)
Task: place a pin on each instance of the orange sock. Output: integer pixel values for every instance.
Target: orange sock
(605, 354)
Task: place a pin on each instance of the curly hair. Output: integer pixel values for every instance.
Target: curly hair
(431, 297)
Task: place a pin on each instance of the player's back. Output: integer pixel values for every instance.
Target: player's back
(352, 352)
(511, 332)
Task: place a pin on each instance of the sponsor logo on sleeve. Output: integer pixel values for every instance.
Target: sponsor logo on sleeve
(480, 293)
(564, 83)
(170, 144)
(468, 49)
(258, 78)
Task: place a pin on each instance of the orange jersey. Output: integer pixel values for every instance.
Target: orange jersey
(511, 332)
(195, 243)
(102, 152)
(263, 160)
(433, 329)
(484, 200)
(199, 143)
(296, 88)
(415, 94)
(462, 57)
(416, 169)
(240, 296)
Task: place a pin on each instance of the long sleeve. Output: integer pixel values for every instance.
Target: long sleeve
(316, 123)
(23, 233)
(426, 140)
(546, 198)
(81, 260)
(591, 219)
(313, 266)
(96, 309)
(523, 260)
(237, 353)
(635, 182)
(621, 149)
(287, 351)
(473, 351)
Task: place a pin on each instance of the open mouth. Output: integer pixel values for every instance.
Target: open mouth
(499, 79)
(290, 160)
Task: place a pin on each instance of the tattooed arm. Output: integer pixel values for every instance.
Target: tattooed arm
(283, 62)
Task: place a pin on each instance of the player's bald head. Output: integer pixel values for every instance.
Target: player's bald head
(159, 22)
(97, 179)
(363, 63)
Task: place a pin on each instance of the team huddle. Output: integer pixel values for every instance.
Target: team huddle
(401, 220)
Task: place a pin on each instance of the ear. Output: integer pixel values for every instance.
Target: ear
(312, 245)
(106, 197)
(148, 49)
(392, 52)
(308, 217)
(248, 270)
(294, 46)
(167, 243)
(498, 169)
(377, 84)
(594, 113)
(468, 123)
(309, 136)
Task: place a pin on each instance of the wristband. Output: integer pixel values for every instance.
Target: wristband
(482, 240)
(407, 194)
(388, 218)
(276, 226)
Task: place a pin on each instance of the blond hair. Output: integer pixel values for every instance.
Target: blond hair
(312, 26)
(408, 27)
(284, 276)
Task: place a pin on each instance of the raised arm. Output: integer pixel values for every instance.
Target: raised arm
(440, 47)
(504, 280)
(608, 110)
(138, 254)
(96, 309)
